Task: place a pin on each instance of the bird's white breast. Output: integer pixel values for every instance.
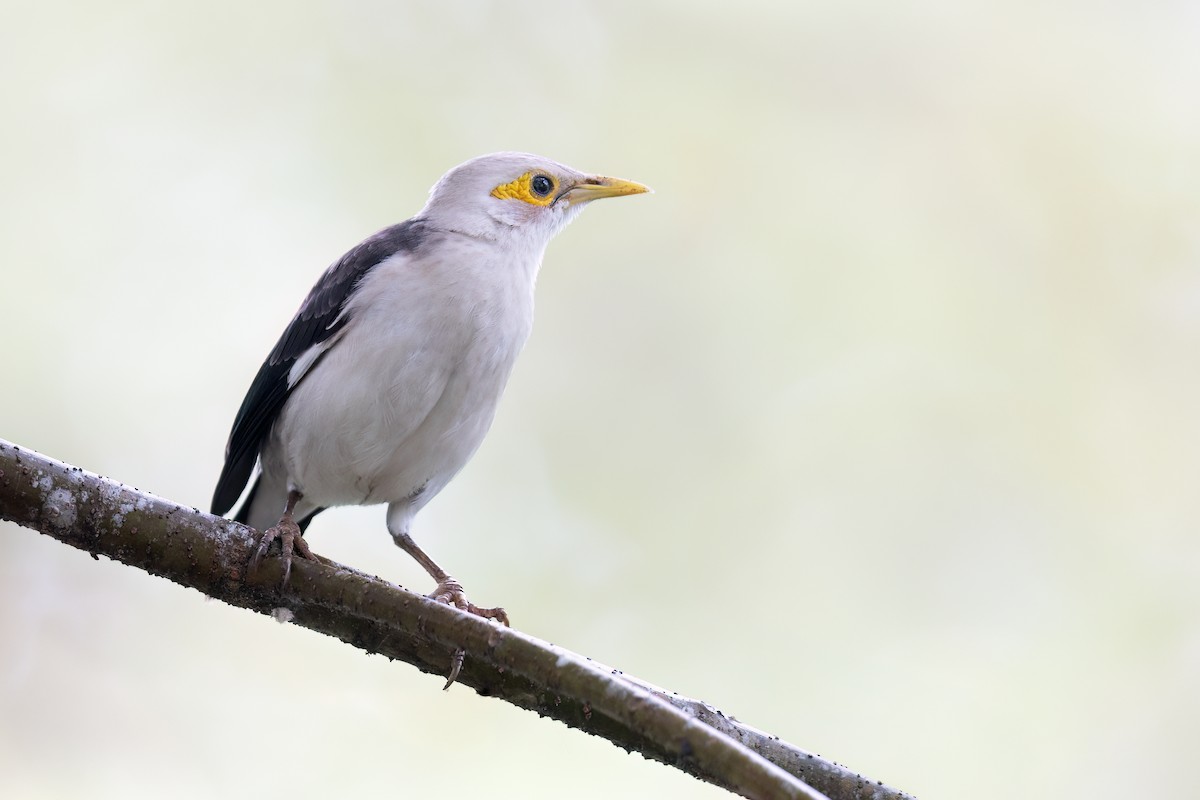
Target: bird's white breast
(407, 392)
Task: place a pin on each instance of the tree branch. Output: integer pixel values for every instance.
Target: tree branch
(209, 554)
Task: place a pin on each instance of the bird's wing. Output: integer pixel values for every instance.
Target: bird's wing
(311, 332)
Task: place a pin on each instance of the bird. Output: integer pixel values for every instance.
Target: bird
(387, 379)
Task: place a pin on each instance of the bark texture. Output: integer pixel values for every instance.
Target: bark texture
(191, 548)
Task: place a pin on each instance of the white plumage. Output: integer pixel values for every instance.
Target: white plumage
(388, 378)
(406, 394)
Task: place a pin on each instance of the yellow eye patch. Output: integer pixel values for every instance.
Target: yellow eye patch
(534, 189)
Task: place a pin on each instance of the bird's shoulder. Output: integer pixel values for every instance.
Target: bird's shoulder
(323, 311)
(320, 317)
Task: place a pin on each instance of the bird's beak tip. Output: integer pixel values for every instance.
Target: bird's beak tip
(600, 186)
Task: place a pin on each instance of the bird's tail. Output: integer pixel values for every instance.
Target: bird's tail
(243, 513)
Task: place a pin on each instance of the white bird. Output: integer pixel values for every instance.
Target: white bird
(387, 379)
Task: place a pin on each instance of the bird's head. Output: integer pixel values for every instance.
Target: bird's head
(502, 195)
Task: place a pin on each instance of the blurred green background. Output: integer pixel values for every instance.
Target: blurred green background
(876, 426)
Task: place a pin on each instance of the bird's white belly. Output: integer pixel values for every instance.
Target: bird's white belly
(390, 417)
(362, 441)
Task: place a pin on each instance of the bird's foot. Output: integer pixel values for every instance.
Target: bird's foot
(450, 592)
(292, 543)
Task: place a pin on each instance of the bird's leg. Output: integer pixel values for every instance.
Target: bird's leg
(290, 538)
(448, 591)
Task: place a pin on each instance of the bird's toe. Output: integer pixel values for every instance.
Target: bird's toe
(497, 613)
(291, 542)
(450, 592)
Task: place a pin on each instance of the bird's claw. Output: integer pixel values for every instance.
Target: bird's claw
(291, 541)
(450, 592)
(456, 662)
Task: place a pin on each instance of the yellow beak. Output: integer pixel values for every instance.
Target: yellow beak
(597, 186)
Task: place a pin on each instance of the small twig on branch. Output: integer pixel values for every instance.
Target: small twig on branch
(208, 553)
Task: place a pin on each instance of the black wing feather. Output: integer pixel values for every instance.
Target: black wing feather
(320, 317)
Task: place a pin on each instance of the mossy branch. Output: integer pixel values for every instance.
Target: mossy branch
(209, 554)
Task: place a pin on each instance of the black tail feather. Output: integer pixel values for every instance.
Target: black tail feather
(243, 513)
(305, 522)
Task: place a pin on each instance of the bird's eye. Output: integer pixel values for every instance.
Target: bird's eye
(537, 189)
